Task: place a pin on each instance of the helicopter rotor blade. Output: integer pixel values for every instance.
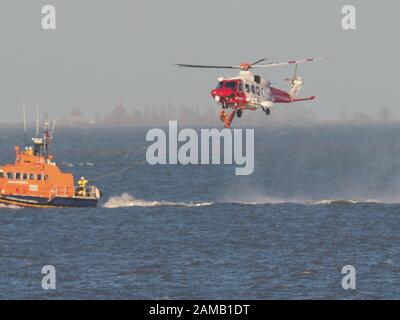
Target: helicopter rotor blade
(258, 61)
(296, 62)
(180, 65)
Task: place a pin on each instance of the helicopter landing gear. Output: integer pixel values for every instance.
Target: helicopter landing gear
(239, 113)
(267, 111)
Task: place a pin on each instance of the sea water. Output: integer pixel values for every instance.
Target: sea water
(320, 198)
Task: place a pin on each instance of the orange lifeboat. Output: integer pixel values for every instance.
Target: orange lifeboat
(34, 180)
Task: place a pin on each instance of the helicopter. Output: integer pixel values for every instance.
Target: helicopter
(249, 91)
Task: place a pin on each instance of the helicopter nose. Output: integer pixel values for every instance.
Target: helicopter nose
(221, 92)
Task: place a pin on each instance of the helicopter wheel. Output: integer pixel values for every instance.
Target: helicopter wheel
(267, 111)
(239, 113)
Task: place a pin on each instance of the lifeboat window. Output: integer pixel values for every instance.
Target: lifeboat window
(25, 176)
(1, 175)
(46, 177)
(258, 90)
(17, 176)
(10, 175)
(253, 89)
(39, 177)
(31, 176)
(247, 86)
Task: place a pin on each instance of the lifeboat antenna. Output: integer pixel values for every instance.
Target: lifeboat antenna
(24, 111)
(37, 122)
(54, 126)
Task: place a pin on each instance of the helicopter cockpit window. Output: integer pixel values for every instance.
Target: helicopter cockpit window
(253, 89)
(263, 92)
(240, 86)
(231, 85)
(258, 90)
(220, 85)
(247, 86)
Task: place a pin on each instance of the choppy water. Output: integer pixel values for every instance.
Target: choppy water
(200, 232)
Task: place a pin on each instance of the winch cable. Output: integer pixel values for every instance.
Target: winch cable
(119, 170)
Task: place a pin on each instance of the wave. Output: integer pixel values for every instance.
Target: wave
(126, 200)
(343, 202)
(80, 164)
(270, 200)
(325, 202)
(9, 206)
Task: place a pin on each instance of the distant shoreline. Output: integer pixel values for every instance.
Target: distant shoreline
(216, 124)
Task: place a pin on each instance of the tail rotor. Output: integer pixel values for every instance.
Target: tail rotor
(296, 83)
(295, 76)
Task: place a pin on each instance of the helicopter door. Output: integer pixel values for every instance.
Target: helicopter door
(265, 92)
(241, 92)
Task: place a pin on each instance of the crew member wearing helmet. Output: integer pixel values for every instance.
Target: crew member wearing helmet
(82, 183)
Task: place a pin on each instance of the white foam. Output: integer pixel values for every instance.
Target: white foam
(260, 200)
(277, 201)
(9, 206)
(342, 202)
(126, 200)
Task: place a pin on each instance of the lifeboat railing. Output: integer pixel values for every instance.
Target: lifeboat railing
(68, 191)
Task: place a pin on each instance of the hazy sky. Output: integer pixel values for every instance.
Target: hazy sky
(108, 52)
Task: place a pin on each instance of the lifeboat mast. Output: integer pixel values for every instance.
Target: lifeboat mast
(41, 145)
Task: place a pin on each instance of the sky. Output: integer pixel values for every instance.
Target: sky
(105, 53)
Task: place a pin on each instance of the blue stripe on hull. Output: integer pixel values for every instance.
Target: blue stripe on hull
(56, 202)
(74, 202)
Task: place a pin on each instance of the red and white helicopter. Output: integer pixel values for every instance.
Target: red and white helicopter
(251, 92)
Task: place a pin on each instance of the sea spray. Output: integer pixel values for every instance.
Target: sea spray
(126, 200)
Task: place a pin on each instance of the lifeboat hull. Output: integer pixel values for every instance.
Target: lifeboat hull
(56, 202)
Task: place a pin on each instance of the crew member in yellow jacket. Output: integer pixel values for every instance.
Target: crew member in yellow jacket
(82, 183)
